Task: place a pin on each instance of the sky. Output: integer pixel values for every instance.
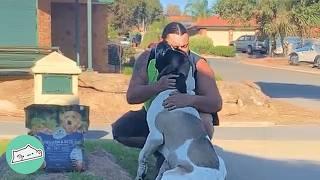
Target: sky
(181, 3)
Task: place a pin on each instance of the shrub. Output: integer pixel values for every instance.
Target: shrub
(218, 77)
(201, 44)
(128, 55)
(225, 51)
(127, 70)
(150, 37)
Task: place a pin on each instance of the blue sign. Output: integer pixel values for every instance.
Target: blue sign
(63, 152)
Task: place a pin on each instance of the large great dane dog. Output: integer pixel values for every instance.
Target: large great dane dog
(178, 134)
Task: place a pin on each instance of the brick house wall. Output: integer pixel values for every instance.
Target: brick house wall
(44, 23)
(63, 33)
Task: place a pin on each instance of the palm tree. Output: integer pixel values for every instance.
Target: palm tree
(274, 18)
(197, 8)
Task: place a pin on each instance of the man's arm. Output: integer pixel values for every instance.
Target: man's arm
(139, 91)
(208, 99)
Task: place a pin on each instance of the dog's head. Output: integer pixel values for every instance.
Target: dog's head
(172, 61)
(70, 121)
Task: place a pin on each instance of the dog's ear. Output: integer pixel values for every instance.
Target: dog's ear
(184, 68)
(181, 84)
(160, 52)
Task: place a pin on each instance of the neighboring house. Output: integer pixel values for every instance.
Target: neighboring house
(39, 25)
(221, 31)
(183, 19)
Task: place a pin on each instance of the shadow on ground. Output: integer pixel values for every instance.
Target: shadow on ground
(95, 134)
(244, 167)
(284, 90)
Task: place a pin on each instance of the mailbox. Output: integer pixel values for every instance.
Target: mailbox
(56, 80)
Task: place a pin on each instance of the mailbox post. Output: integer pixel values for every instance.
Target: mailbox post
(56, 80)
(56, 117)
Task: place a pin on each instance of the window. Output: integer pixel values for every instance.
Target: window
(241, 38)
(249, 38)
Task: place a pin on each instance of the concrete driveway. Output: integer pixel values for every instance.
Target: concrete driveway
(270, 160)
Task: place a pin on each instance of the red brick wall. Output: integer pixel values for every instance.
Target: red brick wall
(44, 23)
(63, 33)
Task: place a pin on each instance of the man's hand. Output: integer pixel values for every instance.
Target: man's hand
(177, 100)
(167, 82)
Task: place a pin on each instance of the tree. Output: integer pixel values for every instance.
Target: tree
(240, 10)
(274, 17)
(306, 16)
(173, 10)
(197, 8)
(121, 16)
(127, 14)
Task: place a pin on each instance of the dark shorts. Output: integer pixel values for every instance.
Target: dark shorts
(131, 124)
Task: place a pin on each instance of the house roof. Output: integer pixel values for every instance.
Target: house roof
(182, 18)
(187, 21)
(217, 21)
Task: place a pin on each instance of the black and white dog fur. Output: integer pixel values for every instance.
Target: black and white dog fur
(178, 134)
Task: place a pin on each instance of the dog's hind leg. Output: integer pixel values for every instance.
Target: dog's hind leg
(165, 166)
(153, 142)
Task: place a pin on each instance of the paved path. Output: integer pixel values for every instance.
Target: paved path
(250, 153)
(299, 88)
(275, 133)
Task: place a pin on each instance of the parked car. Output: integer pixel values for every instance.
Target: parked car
(125, 41)
(251, 44)
(310, 52)
(293, 42)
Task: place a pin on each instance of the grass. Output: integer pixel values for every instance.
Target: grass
(127, 70)
(3, 146)
(218, 77)
(126, 157)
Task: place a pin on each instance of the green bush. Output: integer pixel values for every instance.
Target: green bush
(150, 37)
(154, 32)
(127, 70)
(158, 26)
(201, 44)
(128, 55)
(225, 51)
(112, 33)
(218, 77)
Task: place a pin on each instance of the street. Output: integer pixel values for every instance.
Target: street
(302, 89)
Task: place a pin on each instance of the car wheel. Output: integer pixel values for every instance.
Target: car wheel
(317, 62)
(249, 50)
(294, 59)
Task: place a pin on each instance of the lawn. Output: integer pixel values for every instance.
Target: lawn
(3, 146)
(125, 157)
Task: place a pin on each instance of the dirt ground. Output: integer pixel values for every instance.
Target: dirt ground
(105, 94)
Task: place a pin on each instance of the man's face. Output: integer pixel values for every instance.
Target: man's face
(180, 42)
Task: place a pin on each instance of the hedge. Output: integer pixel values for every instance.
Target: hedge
(225, 51)
(201, 44)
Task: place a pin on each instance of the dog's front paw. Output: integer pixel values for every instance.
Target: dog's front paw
(139, 178)
(142, 171)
